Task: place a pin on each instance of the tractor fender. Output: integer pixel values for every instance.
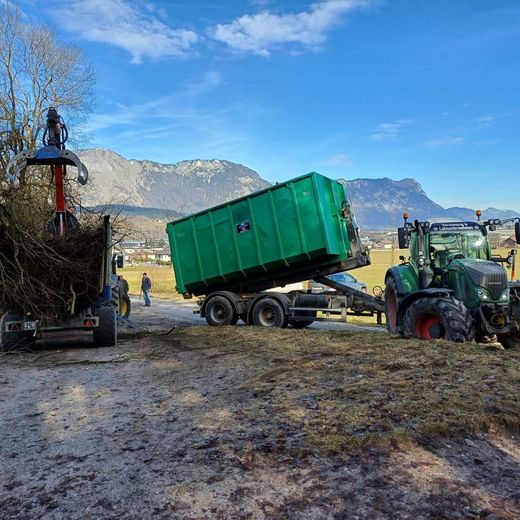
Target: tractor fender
(239, 306)
(405, 279)
(283, 299)
(423, 293)
(395, 273)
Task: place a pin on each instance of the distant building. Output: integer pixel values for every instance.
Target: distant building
(131, 244)
(508, 243)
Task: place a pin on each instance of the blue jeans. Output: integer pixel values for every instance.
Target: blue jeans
(146, 296)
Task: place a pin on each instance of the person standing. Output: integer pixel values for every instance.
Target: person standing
(123, 284)
(146, 288)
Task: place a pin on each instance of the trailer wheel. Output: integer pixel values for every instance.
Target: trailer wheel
(269, 313)
(105, 335)
(14, 340)
(220, 311)
(439, 318)
(391, 306)
(510, 341)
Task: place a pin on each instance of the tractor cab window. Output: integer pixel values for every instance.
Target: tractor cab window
(448, 246)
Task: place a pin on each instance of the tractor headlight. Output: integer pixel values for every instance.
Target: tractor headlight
(504, 296)
(483, 294)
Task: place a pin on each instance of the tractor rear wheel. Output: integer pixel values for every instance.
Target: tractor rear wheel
(391, 306)
(439, 318)
(220, 311)
(14, 340)
(510, 341)
(124, 305)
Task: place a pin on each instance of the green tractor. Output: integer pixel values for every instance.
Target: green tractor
(451, 287)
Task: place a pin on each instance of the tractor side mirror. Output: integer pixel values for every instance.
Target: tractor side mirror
(402, 236)
(120, 261)
(517, 232)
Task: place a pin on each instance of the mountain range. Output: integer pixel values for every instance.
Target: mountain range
(154, 190)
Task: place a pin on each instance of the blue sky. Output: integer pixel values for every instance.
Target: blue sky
(350, 88)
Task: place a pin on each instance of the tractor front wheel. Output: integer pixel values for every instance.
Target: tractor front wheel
(439, 318)
(510, 341)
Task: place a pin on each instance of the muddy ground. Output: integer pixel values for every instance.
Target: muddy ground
(171, 426)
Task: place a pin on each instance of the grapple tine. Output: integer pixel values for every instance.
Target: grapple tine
(46, 156)
(17, 164)
(74, 159)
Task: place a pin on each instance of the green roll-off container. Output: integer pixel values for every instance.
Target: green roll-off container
(289, 232)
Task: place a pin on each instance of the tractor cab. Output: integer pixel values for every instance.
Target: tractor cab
(454, 241)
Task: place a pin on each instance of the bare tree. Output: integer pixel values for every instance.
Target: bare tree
(37, 71)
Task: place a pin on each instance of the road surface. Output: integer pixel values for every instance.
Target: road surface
(165, 314)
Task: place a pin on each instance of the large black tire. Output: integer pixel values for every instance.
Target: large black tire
(105, 335)
(220, 311)
(510, 341)
(269, 312)
(439, 318)
(14, 340)
(391, 306)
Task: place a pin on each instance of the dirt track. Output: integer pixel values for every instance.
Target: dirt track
(157, 428)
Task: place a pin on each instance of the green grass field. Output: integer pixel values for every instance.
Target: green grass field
(163, 280)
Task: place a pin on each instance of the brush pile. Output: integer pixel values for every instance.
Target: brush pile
(42, 275)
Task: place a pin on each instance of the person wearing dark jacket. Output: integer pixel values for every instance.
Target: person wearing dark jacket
(146, 288)
(123, 284)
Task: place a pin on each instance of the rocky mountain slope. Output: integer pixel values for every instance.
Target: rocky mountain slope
(184, 187)
(148, 188)
(379, 203)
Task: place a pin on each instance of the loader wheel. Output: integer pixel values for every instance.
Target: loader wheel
(268, 312)
(391, 306)
(105, 335)
(439, 318)
(14, 340)
(510, 341)
(220, 311)
(124, 306)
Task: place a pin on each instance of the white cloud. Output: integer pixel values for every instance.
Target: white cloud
(445, 141)
(337, 160)
(133, 27)
(263, 32)
(390, 130)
